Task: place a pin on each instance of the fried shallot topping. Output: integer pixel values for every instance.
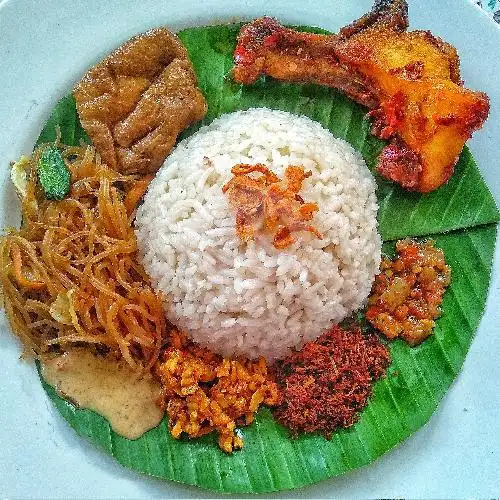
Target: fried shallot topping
(408, 292)
(203, 392)
(266, 202)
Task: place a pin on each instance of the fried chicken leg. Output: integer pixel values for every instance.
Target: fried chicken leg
(409, 80)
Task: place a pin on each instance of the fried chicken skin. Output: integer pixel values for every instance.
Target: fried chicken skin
(135, 102)
(409, 80)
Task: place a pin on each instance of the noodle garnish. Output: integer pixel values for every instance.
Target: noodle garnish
(70, 274)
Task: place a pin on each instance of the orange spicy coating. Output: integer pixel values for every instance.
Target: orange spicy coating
(409, 79)
(408, 292)
(203, 392)
(267, 202)
(328, 382)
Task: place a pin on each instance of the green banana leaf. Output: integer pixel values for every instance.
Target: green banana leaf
(461, 217)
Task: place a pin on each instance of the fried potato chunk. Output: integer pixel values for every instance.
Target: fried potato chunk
(136, 101)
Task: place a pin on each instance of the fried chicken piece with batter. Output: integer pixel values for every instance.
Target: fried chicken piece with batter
(409, 80)
(136, 101)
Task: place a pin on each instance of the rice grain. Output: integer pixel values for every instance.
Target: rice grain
(250, 298)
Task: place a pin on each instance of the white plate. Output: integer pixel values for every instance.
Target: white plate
(44, 47)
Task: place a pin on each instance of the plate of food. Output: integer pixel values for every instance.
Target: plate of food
(245, 249)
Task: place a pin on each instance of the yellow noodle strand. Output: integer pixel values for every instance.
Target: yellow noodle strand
(80, 254)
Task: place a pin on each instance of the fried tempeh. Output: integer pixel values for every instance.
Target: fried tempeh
(136, 101)
(409, 80)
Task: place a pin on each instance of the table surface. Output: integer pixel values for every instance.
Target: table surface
(491, 7)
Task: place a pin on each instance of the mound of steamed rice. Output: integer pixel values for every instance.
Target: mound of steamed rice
(250, 298)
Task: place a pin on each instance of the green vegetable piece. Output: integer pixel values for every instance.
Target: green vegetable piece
(53, 174)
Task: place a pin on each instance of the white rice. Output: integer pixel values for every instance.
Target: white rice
(250, 298)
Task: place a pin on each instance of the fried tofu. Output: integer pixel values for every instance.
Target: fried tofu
(136, 101)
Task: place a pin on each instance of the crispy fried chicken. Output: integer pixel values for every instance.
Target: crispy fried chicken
(409, 80)
(135, 102)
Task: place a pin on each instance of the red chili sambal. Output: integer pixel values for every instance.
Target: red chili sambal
(408, 292)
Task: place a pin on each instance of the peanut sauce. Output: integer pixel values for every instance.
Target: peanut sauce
(108, 387)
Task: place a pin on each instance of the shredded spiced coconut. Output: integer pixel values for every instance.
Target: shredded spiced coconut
(407, 294)
(266, 202)
(328, 382)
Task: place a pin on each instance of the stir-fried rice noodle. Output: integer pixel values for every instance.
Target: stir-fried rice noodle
(70, 274)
